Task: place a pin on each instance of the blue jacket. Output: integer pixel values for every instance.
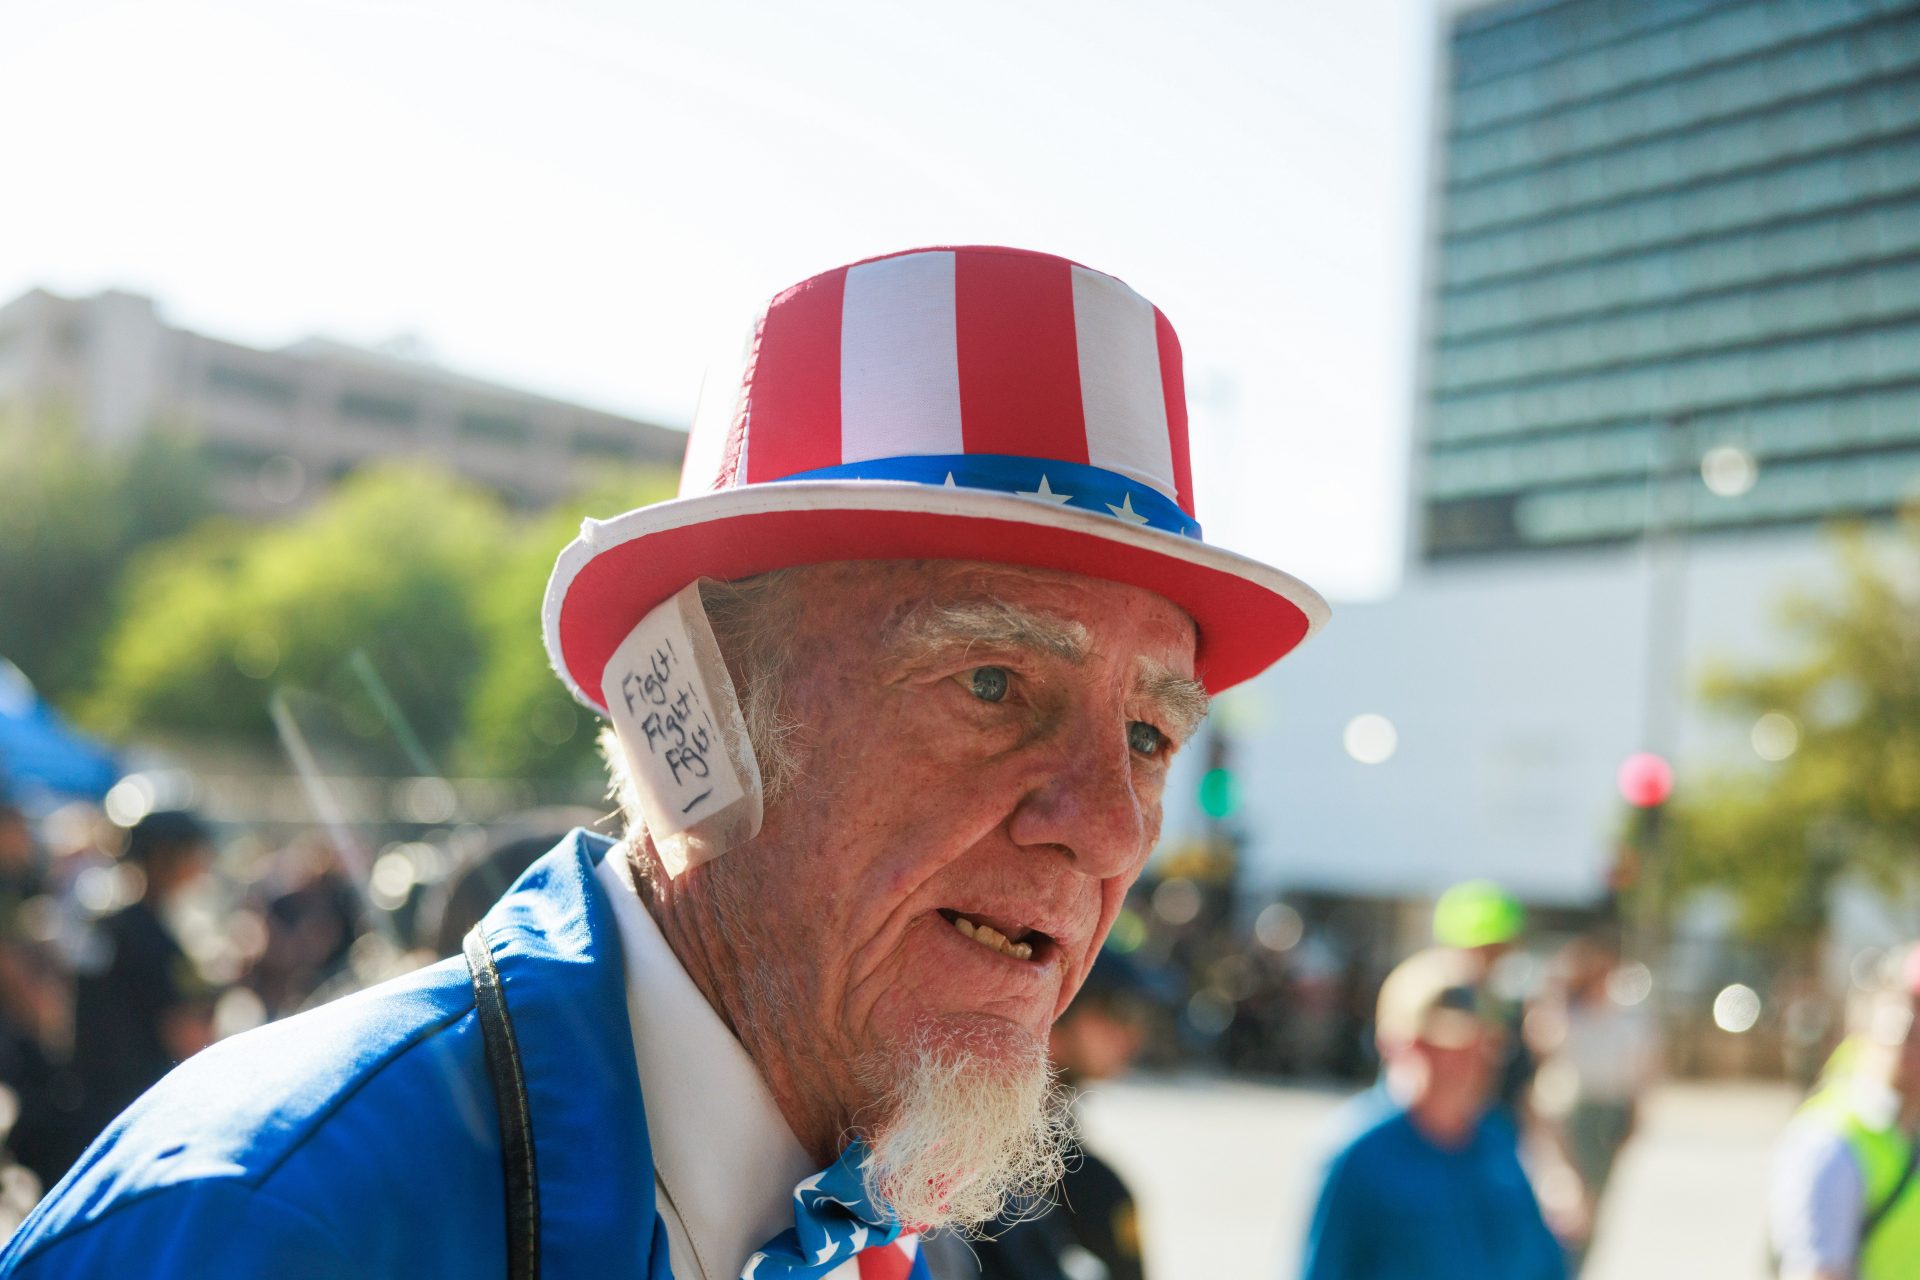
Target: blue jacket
(361, 1140)
(1393, 1206)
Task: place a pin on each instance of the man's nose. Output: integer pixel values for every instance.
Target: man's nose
(1085, 802)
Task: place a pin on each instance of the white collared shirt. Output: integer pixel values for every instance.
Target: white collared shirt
(724, 1161)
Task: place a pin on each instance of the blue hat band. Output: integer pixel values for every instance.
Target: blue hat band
(1066, 484)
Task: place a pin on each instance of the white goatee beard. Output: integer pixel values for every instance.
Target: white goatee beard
(974, 1123)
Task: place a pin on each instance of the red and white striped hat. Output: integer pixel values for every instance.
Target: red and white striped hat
(968, 403)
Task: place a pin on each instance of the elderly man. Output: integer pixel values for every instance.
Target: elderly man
(894, 688)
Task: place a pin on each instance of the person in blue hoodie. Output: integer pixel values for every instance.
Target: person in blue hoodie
(1425, 1182)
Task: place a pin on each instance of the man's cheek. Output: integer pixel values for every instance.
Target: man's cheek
(1149, 840)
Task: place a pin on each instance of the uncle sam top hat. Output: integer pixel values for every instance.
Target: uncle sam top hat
(972, 403)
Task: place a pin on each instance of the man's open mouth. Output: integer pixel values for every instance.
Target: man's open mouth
(1006, 937)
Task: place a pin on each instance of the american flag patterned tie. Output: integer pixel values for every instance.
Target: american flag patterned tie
(836, 1225)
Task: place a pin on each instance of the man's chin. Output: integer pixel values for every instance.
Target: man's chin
(983, 1040)
(969, 1120)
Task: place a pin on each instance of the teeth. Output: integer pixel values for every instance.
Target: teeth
(991, 938)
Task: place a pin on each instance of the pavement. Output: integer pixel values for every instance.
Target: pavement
(1224, 1172)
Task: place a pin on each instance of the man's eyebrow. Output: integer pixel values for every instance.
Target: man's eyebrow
(1183, 702)
(1180, 702)
(990, 624)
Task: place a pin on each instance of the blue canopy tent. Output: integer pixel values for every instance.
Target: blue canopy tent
(41, 756)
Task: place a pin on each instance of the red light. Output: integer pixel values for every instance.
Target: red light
(1645, 780)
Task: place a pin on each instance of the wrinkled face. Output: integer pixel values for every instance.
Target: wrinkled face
(982, 755)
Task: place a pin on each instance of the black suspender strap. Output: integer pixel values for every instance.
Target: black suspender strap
(510, 1098)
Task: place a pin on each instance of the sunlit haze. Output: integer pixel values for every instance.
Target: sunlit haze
(588, 199)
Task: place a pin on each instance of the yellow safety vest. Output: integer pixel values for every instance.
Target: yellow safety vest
(1892, 1251)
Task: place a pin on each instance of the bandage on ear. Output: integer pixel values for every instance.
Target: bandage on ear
(678, 719)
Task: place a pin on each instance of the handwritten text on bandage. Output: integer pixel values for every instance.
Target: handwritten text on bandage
(671, 714)
(661, 695)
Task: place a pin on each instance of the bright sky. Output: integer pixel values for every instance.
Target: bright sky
(587, 198)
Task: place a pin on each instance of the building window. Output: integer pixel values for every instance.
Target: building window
(1478, 524)
(1872, 47)
(254, 384)
(1802, 129)
(1842, 241)
(228, 455)
(1799, 189)
(1577, 69)
(386, 411)
(600, 444)
(495, 428)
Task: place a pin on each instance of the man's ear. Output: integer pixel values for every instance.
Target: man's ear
(685, 741)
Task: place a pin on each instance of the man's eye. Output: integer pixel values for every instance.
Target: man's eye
(989, 684)
(1145, 739)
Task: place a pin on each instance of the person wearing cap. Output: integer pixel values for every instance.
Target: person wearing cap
(1485, 922)
(893, 688)
(1425, 1180)
(1844, 1203)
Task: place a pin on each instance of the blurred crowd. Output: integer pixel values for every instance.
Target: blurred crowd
(122, 955)
(1505, 1069)
(125, 950)
(1502, 1074)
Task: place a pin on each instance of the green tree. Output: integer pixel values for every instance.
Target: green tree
(73, 515)
(368, 600)
(1843, 720)
(522, 722)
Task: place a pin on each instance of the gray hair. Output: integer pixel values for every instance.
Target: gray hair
(752, 621)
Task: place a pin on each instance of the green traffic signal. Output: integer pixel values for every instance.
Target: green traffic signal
(1219, 793)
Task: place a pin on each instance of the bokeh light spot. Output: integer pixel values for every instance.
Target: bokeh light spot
(1177, 901)
(1630, 984)
(1728, 470)
(1775, 736)
(1736, 1008)
(1279, 927)
(1371, 738)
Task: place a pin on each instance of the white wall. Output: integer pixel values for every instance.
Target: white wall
(1517, 687)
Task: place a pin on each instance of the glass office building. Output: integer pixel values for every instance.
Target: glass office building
(1676, 270)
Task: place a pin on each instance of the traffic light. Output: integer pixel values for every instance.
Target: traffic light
(1219, 793)
(1645, 780)
(1219, 789)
